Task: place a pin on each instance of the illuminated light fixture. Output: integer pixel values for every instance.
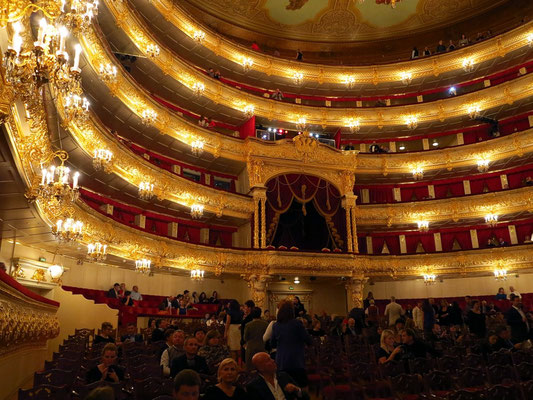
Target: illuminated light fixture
(406, 77)
(198, 88)
(102, 159)
(529, 39)
(423, 226)
(197, 210)
(148, 117)
(435, 144)
(452, 91)
(197, 274)
(108, 73)
(146, 190)
(96, 251)
(153, 50)
(418, 173)
(56, 271)
(491, 219)
(411, 122)
(473, 110)
(80, 15)
(349, 81)
(247, 63)
(249, 110)
(483, 165)
(68, 230)
(198, 35)
(298, 78)
(76, 108)
(143, 266)
(197, 147)
(353, 124)
(301, 123)
(401, 148)
(429, 279)
(500, 274)
(296, 280)
(468, 64)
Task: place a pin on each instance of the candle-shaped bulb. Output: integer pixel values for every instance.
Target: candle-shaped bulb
(17, 43)
(63, 32)
(43, 177)
(59, 224)
(75, 180)
(42, 30)
(77, 49)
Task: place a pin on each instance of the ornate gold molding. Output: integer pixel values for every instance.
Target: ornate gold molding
(496, 47)
(220, 93)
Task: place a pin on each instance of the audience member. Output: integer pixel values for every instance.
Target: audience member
(247, 317)
(187, 385)
(277, 95)
(195, 299)
(418, 316)
(299, 308)
(159, 331)
(232, 333)
(135, 295)
(107, 370)
(217, 74)
(212, 350)
(412, 347)
(426, 52)
(387, 351)
(114, 292)
(105, 334)
(211, 72)
(175, 340)
(199, 334)
(372, 314)
(476, 320)
(366, 301)
(513, 291)
(212, 321)
(456, 314)
(271, 384)
(169, 303)
(516, 319)
(502, 340)
(189, 360)
(444, 313)
(451, 46)
(414, 53)
(463, 41)
(289, 337)
(131, 335)
(122, 289)
(441, 48)
(316, 328)
(101, 393)
(182, 307)
(214, 298)
(202, 299)
(127, 300)
(253, 336)
(226, 387)
(299, 55)
(501, 294)
(393, 311)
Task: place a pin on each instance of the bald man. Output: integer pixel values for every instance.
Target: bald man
(271, 384)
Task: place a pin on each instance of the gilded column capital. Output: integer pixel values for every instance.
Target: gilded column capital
(354, 290)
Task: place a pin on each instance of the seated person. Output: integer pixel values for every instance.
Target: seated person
(202, 299)
(412, 347)
(502, 339)
(168, 303)
(127, 300)
(189, 360)
(212, 350)
(212, 321)
(187, 385)
(199, 334)
(174, 349)
(105, 334)
(502, 242)
(501, 294)
(387, 351)
(107, 370)
(135, 295)
(271, 384)
(131, 335)
(277, 95)
(316, 328)
(226, 387)
(528, 181)
(159, 332)
(114, 292)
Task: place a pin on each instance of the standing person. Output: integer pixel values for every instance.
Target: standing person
(226, 389)
(501, 294)
(299, 309)
(366, 302)
(194, 298)
(253, 336)
(290, 337)
(372, 314)
(418, 316)
(444, 313)
(456, 314)
(429, 317)
(247, 317)
(393, 311)
(516, 319)
(476, 320)
(512, 289)
(232, 332)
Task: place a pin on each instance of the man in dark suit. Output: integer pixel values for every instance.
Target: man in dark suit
(189, 360)
(517, 320)
(159, 331)
(131, 335)
(114, 292)
(168, 303)
(270, 384)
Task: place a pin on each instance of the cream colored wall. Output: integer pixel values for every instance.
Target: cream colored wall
(17, 368)
(449, 287)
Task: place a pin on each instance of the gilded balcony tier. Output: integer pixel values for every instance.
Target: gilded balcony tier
(231, 97)
(496, 47)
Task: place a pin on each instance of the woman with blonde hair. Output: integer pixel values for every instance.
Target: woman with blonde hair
(387, 351)
(228, 372)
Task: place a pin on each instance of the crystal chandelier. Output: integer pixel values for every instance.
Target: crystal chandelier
(353, 124)
(418, 173)
(349, 81)
(102, 160)
(474, 110)
(423, 226)
(247, 63)
(198, 35)
(80, 14)
(483, 165)
(197, 274)
(68, 230)
(411, 122)
(76, 108)
(197, 147)
(153, 50)
(108, 73)
(143, 266)
(468, 64)
(491, 219)
(198, 88)
(430, 279)
(500, 274)
(298, 78)
(249, 110)
(148, 117)
(146, 190)
(96, 251)
(406, 77)
(529, 40)
(197, 210)
(301, 123)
